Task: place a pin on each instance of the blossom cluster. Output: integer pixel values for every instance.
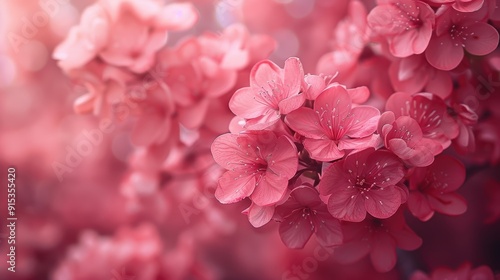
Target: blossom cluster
(371, 124)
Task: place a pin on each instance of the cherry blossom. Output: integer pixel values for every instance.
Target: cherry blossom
(404, 137)
(273, 91)
(363, 182)
(259, 166)
(303, 214)
(429, 111)
(432, 188)
(333, 125)
(377, 238)
(460, 5)
(456, 31)
(406, 25)
(130, 32)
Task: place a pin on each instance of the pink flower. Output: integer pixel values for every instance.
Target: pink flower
(406, 25)
(304, 214)
(273, 91)
(430, 112)
(404, 137)
(456, 31)
(433, 188)
(414, 74)
(377, 238)
(363, 182)
(464, 272)
(125, 33)
(333, 125)
(259, 166)
(460, 5)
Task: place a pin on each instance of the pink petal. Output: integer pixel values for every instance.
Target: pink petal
(291, 103)
(333, 178)
(243, 103)
(314, 86)
(484, 40)
(449, 204)
(383, 203)
(284, 161)
(347, 205)
(328, 231)
(359, 95)
(447, 172)
(419, 206)
(260, 215)
(221, 84)
(148, 128)
(263, 72)
(306, 122)
(193, 117)
(293, 75)
(233, 188)
(443, 53)
(383, 252)
(226, 151)
(296, 230)
(364, 121)
(269, 190)
(324, 150)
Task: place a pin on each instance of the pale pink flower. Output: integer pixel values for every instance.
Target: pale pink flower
(333, 125)
(456, 31)
(406, 25)
(404, 137)
(273, 91)
(432, 188)
(125, 33)
(259, 166)
(363, 182)
(303, 214)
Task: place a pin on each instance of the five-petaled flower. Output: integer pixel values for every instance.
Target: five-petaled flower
(304, 213)
(432, 188)
(259, 165)
(273, 91)
(364, 182)
(333, 126)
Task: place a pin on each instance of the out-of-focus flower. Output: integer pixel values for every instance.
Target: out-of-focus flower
(464, 272)
(124, 33)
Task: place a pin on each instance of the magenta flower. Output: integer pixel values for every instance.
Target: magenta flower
(273, 91)
(377, 238)
(304, 214)
(406, 25)
(456, 31)
(259, 166)
(433, 189)
(404, 137)
(430, 112)
(363, 182)
(333, 125)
